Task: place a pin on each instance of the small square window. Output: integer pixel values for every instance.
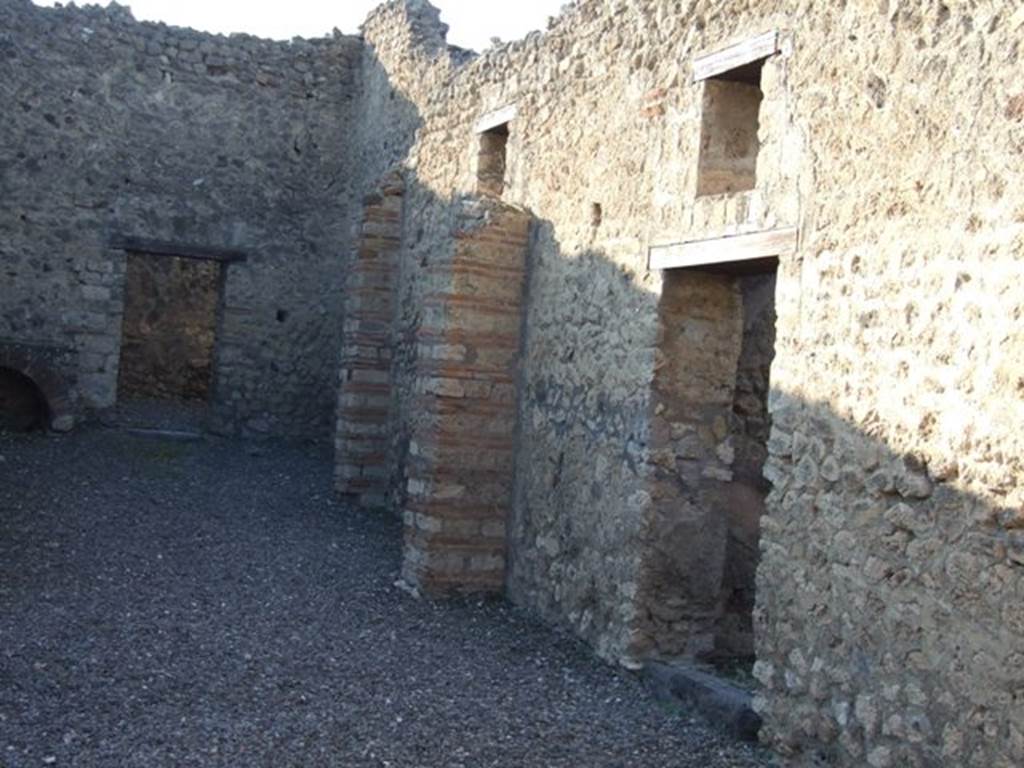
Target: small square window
(492, 160)
(730, 120)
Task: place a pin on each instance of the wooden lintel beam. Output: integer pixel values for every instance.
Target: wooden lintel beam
(496, 119)
(181, 250)
(724, 250)
(736, 56)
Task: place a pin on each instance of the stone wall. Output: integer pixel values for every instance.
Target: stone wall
(889, 590)
(578, 526)
(888, 627)
(113, 127)
(889, 135)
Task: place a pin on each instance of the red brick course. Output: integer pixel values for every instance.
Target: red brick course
(364, 402)
(460, 469)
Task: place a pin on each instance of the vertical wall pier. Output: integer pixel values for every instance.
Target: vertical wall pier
(461, 453)
(364, 402)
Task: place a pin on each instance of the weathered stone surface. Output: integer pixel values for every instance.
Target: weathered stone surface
(889, 136)
(64, 423)
(117, 127)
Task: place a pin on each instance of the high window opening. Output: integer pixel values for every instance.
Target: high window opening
(729, 141)
(23, 407)
(492, 161)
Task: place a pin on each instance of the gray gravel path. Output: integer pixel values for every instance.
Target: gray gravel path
(193, 604)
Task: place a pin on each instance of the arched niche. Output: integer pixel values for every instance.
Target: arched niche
(34, 390)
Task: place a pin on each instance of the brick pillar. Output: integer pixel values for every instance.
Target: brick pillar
(460, 463)
(364, 401)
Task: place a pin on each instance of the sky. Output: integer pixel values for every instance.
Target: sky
(473, 22)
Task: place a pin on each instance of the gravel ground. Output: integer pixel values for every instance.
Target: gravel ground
(211, 604)
(157, 414)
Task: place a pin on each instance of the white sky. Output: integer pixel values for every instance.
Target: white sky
(473, 22)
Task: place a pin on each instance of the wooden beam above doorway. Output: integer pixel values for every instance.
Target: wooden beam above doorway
(181, 250)
(736, 56)
(496, 119)
(723, 250)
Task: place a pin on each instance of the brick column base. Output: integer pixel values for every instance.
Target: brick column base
(461, 453)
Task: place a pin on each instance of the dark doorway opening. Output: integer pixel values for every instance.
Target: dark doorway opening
(750, 425)
(709, 439)
(169, 334)
(23, 407)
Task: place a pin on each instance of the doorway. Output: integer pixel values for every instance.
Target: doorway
(710, 429)
(169, 336)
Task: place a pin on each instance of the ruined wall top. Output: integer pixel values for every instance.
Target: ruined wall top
(239, 55)
(119, 15)
(411, 23)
